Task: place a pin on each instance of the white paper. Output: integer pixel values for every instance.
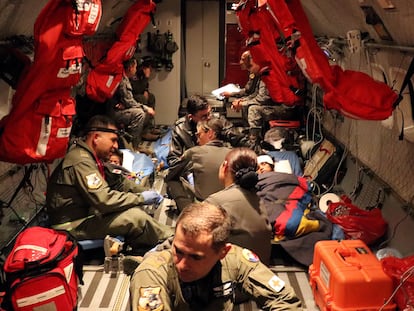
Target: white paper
(283, 166)
(230, 88)
(128, 159)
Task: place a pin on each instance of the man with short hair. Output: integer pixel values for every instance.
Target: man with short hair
(202, 162)
(91, 201)
(245, 64)
(202, 271)
(184, 137)
(126, 111)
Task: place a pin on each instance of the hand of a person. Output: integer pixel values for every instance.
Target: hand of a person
(119, 106)
(226, 94)
(150, 111)
(236, 105)
(152, 197)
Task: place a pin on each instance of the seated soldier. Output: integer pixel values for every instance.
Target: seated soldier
(91, 201)
(202, 270)
(202, 162)
(140, 84)
(238, 175)
(258, 107)
(140, 89)
(245, 64)
(184, 136)
(129, 113)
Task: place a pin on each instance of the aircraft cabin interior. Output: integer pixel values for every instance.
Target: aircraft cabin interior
(332, 79)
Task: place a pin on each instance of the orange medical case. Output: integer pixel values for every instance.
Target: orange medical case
(346, 275)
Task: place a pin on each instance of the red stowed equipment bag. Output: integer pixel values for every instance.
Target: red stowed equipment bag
(352, 93)
(103, 79)
(102, 82)
(84, 17)
(44, 130)
(38, 126)
(358, 224)
(43, 271)
(356, 95)
(401, 271)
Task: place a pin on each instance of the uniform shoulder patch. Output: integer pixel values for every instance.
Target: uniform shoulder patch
(249, 255)
(93, 181)
(276, 283)
(150, 299)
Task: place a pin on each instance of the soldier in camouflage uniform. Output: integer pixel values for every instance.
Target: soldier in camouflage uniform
(91, 202)
(249, 88)
(257, 106)
(202, 271)
(126, 111)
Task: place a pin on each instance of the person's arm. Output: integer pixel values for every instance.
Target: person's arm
(148, 110)
(149, 285)
(177, 147)
(240, 93)
(260, 97)
(116, 180)
(141, 98)
(181, 167)
(97, 192)
(265, 288)
(232, 135)
(146, 288)
(269, 291)
(126, 96)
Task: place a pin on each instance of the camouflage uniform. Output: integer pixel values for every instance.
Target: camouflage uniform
(155, 285)
(250, 86)
(77, 191)
(133, 117)
(260, 107)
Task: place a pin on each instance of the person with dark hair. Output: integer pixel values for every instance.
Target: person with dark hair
(142, 94)
(203, 271)
(238, 175)
(91, 201)
(201, 163)
(184, 137)
(140, 84)
(265, 164)
(117, 157)
(127, 112)
(115, 165)
(258, 107)
(184, 131)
